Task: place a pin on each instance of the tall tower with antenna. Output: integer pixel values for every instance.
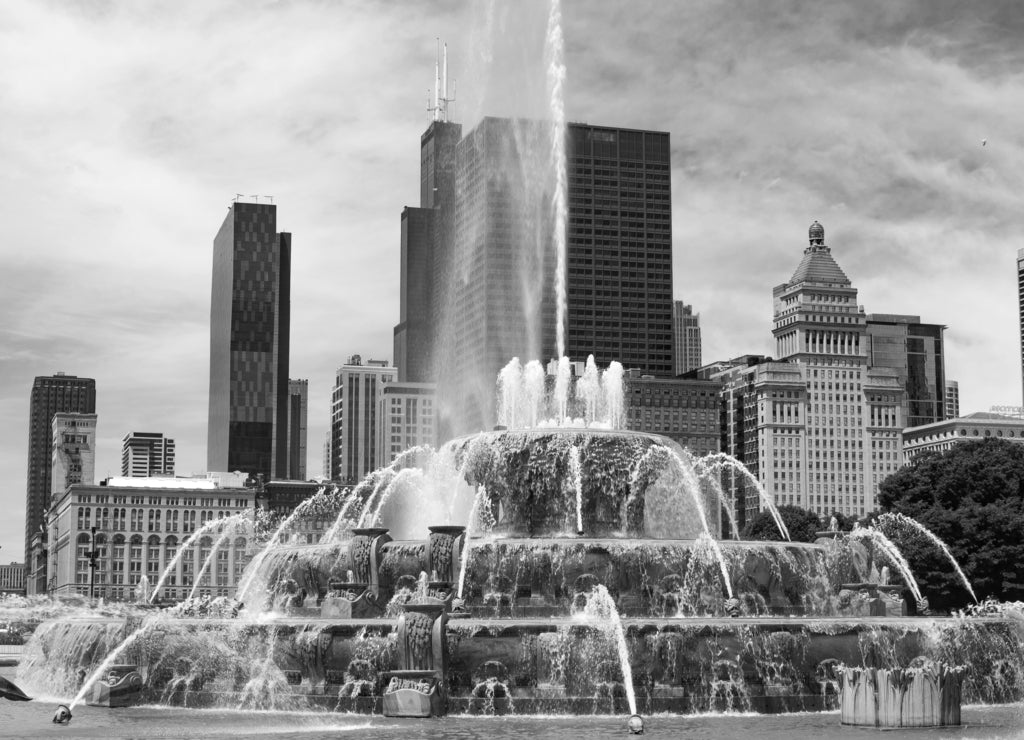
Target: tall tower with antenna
(438, 106)
(425, 252)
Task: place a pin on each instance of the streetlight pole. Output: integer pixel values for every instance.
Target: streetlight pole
(93, 554)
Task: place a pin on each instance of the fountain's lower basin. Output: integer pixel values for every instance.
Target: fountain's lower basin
(549, 665)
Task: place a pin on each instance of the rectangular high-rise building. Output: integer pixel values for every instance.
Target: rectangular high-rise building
(407, 419)
(685, 338)
(1020, 300)
(298, 412)
(249, 338)
(355, 404)
(50, 394)
(74, 451)
(620, 247)
(915, 351)
(484, 233)
(147, 455)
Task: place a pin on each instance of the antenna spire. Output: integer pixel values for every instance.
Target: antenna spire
(439, 108)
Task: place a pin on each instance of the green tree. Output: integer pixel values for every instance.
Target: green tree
(803, 525)
(972, 498)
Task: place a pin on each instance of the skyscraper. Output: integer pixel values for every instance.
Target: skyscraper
(74, 451)
(685, 338)
(620, 247)
(51, 394)
(820, 428)
(355, 403)
(484, 232)
(147, 455)
(407, 418)
(915, 351)
(1020, 301)
(249, 336)
(298, 412)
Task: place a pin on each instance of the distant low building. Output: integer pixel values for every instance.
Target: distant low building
(684, 410)
(942, 435)
(145, 454)
(280, 498)
(12, 579)
(137, 526)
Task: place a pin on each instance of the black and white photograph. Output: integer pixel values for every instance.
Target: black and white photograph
(511, 369)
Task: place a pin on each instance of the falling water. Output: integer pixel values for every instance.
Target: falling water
(601, 607)
(228, 531)
(892, 552)
(413, 474)
(339, 521)
(576, 474)
(691, 483)
(509, 385)
(383, 482)
(254, 566)
(722, 461)
(555, 58)
(481, 494)
(186, 545)
(588, 390)
(533, 396)
(110, 660)
(614, 396)
(710, 477)
(900, 519)
(562, 377)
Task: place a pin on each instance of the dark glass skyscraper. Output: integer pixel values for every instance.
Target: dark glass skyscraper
(620, 247)
(915, 351)
(1020, 301)
(484, 235)
(50, 395)
(249, 332)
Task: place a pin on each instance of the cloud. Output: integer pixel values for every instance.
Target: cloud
(128, 128)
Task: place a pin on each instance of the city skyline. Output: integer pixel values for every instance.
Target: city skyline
(120, 158)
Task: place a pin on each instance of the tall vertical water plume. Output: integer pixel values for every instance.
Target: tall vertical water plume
(555, 58)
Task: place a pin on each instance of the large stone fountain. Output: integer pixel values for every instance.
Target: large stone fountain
(552, 569)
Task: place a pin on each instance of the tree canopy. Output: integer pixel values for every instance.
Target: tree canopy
(803, 525)
(972, 498)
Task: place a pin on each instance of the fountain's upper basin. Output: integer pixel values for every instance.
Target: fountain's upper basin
(534, 488)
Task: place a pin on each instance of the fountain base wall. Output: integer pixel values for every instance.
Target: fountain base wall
(563, 666)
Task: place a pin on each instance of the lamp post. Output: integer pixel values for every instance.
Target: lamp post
(93, 554)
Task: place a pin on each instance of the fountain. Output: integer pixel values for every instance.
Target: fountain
(563, 567)
(555, 565)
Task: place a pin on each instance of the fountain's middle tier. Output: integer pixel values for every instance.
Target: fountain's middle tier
(534, 577)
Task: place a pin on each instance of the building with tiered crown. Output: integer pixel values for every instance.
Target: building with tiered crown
(819, 427)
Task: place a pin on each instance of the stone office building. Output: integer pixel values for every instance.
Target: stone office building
(137, 526)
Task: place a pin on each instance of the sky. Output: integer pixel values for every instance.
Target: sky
(127, 128)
